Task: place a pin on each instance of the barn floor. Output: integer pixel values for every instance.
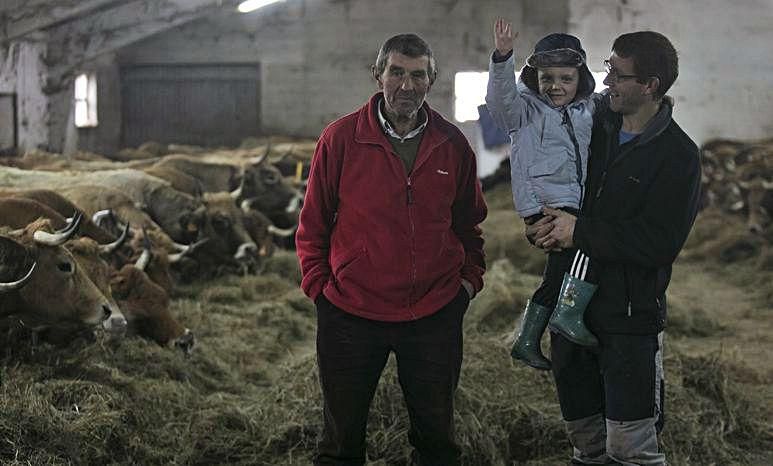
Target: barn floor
(248, 394)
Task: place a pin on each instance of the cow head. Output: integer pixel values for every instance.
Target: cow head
(147, 306)
(267, 191)
(59, 290)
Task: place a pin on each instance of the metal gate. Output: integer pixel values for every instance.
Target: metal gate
(206, 105)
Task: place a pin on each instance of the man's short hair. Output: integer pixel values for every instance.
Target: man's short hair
(652, 54)
(410, 45)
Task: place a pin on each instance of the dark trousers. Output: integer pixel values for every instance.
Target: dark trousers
(618, 378)
(611, 397)
(352, 353)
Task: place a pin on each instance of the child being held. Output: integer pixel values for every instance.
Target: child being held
(549, 116)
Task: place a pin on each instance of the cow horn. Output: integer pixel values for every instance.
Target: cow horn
(259, 159)
(282, 232)
(186, 250)
(10, 286)
(246, 205)
(59, 237)
(144, 259)
(101, 215)
(112, 247)
(237, 193)
(180, 247)
(294, 204)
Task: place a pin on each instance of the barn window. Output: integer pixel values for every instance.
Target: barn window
(470, 91)
(252, 5)
(86, 101)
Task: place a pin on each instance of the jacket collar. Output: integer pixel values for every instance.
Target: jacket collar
(654, 127)
(614, 121)
(369, 131)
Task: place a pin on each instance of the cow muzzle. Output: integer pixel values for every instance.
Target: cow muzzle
(113, 321)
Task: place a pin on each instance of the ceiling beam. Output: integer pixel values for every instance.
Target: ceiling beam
(34, 15)
(75, 42)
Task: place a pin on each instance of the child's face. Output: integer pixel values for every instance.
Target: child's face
(558, 83)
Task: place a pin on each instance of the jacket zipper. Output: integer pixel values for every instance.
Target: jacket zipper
(409, 202)
(567, 120)
(627, 290)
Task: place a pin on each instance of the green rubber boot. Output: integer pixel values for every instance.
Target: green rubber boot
(567, 319)
(527, 344)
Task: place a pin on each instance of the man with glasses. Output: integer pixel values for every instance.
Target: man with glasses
(640, 203)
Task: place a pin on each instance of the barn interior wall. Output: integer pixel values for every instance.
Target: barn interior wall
(315, 57)
(725, 71)
(23, 72)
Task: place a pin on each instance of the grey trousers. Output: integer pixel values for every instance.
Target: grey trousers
(611, 398)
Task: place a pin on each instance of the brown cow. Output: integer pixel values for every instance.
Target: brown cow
(178, 214)
(179, 180)
(229, 243)
(213, 177)
(144, 304)
(58, 291)
(63, 207)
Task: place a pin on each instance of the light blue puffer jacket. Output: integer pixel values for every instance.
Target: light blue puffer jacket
(543, 160)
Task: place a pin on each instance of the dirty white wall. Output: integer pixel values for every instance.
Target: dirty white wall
(23, 72)
(725, 51)
(315, 57)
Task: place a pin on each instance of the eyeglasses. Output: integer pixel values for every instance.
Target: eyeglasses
(612, 72)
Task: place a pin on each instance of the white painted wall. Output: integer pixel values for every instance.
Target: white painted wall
(32, 102)
(315, 57)
(725, 84)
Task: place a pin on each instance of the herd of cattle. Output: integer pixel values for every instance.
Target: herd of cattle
(89, 241)
(738, 179)
(92, 242)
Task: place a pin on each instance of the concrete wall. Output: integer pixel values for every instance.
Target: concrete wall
(315, 57)
(23, 72)
(725, 50)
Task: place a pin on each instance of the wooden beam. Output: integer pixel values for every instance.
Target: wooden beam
(19, 17)
(75, 42)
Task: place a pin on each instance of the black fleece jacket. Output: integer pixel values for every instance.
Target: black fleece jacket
(640, 203)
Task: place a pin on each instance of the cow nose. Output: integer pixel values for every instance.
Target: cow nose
(246, 251)
(113, 322)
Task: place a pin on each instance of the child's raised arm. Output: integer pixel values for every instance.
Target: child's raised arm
(503, 36)
(502, 97)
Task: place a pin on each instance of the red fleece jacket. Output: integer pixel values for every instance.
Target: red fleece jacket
(381, 244)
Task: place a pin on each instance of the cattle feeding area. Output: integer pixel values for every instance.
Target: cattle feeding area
(246, 392)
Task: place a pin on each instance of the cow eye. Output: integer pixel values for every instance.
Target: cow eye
(65, 267)
(270, 177)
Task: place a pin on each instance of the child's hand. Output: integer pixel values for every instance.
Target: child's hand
(503, 36)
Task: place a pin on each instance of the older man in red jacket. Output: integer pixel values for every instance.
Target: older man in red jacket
(391, 253)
